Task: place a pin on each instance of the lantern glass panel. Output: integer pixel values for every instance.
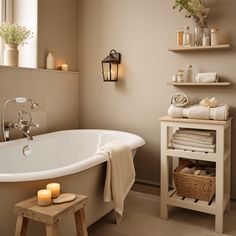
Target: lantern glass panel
(114, 71)
(106, 71)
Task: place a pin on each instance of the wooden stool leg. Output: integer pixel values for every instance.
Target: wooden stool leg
(81, 223)
(51, 230)
(21, 226)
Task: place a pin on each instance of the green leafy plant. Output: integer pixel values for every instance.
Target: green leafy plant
(195, 9)
(14, 34)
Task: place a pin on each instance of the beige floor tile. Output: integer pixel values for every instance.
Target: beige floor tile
(141, 218)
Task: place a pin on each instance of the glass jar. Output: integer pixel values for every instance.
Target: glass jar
(206, 38)
(198, 34)
(215, 37)
(179, 37)
(180, 76)
(187, 37)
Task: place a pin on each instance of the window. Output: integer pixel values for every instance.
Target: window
(24, 13)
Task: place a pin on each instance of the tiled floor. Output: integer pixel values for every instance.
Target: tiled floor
(141, 218)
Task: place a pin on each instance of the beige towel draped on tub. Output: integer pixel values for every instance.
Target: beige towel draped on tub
(120, 175)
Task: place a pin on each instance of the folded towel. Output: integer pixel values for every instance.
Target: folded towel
(200, 112)
(120, 174)
(188, 170)
(196, 137)
(179, 100)
(206, 77)
(219, 113)
(196, 131)
(183, 138)
(198, 149)
(193, 144)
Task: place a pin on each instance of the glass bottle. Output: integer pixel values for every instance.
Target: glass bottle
(187, 37)
(50, 61)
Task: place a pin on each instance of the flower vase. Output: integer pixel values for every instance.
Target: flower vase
(11, 55)
(198, 34)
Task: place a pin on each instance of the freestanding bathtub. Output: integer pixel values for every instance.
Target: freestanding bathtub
(67, 157)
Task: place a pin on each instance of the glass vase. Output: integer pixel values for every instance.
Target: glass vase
(198, 34)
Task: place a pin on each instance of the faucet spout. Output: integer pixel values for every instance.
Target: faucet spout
(28, 135)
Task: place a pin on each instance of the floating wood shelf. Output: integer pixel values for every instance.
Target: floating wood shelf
(198, 84)
(200, 48)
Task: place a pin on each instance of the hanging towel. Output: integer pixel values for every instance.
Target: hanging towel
(120, 175)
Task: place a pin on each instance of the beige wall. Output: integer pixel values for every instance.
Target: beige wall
(56, 93)
(58, 32)
(142, 30)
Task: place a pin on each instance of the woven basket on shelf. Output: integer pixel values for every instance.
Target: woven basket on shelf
(195, 186)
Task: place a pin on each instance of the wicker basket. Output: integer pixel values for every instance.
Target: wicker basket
(195, 186)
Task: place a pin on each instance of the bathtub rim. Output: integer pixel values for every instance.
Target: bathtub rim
(68, 169)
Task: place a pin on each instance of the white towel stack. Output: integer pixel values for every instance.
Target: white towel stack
(194, 140)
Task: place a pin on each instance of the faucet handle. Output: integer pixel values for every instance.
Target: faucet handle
(34, 125)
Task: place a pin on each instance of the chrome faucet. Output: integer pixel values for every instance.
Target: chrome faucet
(25, 119)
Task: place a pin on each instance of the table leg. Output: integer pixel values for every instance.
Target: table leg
(80, 221)
(51, 230)
(21, 226)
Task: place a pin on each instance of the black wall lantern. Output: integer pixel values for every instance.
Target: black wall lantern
(110, 66)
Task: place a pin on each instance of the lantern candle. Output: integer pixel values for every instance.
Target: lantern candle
(44, 197)
(64, 67)
(54, 188)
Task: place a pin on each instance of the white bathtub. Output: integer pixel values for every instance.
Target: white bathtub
(66, 157)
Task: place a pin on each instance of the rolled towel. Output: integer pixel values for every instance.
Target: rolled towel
(206, 77)
(188, 170)
(179, 100)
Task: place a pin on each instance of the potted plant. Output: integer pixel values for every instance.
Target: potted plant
(13, 35)
(197, 10)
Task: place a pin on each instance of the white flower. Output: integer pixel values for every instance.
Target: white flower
(14, 34)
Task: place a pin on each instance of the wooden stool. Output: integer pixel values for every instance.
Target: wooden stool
(50, 215)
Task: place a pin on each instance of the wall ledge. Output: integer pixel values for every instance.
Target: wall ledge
(36, 69)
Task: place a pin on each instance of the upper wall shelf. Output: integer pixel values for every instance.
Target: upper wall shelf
(199, 84)
(200, 48)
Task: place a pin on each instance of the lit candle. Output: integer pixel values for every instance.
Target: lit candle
(64, 67)
(54, 188)
(44, 197)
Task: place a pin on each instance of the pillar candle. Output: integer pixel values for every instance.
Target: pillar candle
(54, 188)
(44, 197)
(64, 67)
